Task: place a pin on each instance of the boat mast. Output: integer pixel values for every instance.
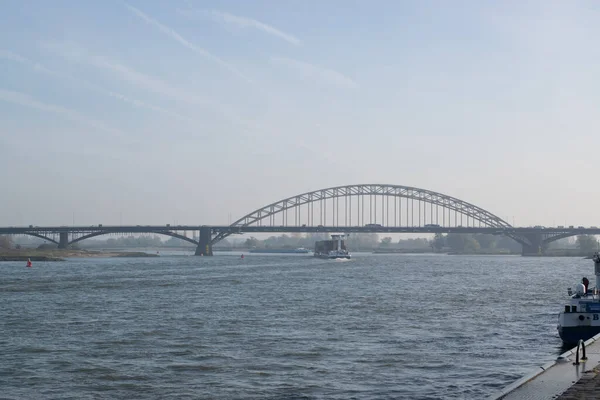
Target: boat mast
(596, 259)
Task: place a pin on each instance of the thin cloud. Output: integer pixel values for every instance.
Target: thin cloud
(186, 43)
(160, 87)
(88, 85)
(28, 101)
(141, 104)
(242, 22)
(129, 75)
(313, 71)
(7, 55)
(249, 128)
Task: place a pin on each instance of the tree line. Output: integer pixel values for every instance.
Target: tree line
(5, 242)
(456, 242)
(151, 241)
(473, 243)
(360, 241)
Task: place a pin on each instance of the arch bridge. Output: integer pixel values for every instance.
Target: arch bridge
(376, 207)
(350, 208)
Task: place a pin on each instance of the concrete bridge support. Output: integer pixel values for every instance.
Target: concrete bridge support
(204, 246)
(63, 240)
(537, 246)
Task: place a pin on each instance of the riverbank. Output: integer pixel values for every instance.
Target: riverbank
(563, 253)
(62, 254)
(488, 252)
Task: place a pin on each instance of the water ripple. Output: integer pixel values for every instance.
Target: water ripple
(379, 327)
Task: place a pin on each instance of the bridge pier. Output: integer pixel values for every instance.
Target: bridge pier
(63, 240)
(204, 246)
(537, 246)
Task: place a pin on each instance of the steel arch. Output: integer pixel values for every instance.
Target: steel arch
(166, 233)
(550, 239)
(37, 235)
(450, 203)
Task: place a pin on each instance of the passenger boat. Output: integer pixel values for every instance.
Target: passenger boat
(332, 249)
(580, 318)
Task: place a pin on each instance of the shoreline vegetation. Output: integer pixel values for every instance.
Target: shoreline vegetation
(489, 252)
(63, 254)
(148, 246)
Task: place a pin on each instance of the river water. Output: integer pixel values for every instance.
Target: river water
(279, 326)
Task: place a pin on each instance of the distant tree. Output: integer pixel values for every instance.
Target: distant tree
(561, 244)
(364, 241)
(471, 245)
(587, 243)
(176, 242)
(5, 242)
(463, 242)
(414, 244)
(386, 241)
(456, 241)
(486, 241)
(251, 242)
(505, 242)
(438, 242)
(223, 243)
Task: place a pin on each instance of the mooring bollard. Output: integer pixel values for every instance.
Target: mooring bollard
(583, 358)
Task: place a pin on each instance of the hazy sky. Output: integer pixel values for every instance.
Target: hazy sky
(189, 111)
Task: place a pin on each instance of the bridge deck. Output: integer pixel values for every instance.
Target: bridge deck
(288, 228)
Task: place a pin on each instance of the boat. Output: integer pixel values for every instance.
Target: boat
(580, 319)
(332, 249)
(299, 250)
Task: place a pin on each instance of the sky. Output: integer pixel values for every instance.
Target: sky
(198, 112)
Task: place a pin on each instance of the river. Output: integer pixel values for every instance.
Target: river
(279, 326)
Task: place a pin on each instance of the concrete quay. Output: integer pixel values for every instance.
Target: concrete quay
(562, 379)
(588, 387)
